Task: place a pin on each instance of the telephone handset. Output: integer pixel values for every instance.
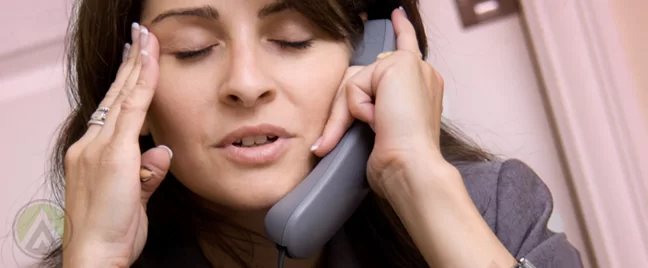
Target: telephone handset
(303, 221)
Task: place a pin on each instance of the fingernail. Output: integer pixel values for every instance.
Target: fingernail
(146, 174)
(144, 36)
(168, 150)
(317, 144)
(404, 12)
(126, 51)
(145, 58)
(135, 32)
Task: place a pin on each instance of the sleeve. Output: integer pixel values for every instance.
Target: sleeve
(523, 207)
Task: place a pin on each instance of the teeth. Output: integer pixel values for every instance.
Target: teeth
(256, 140)
(261, 139)
(248, 141)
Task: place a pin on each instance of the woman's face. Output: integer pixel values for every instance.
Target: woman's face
(244, 92)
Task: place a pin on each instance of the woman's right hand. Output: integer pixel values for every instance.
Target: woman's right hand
(105, 200)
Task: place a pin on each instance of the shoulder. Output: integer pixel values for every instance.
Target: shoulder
(487, 182)
(512, 179)
(503, 190)
(517, 205)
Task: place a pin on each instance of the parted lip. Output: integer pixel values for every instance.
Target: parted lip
(251, 131)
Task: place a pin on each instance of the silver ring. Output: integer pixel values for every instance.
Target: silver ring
(99, 116)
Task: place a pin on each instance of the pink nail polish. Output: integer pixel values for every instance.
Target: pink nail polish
(168, 150)
(317, 144)
(135, 32)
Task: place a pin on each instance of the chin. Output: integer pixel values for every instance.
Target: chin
(252, 189)
(263, 196)
(229, 186)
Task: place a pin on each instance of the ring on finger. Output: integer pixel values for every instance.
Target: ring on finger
(384, 55)
(99, 116)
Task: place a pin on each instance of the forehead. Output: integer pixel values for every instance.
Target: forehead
(154, 8)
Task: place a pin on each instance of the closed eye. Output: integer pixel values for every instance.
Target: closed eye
(183, 55)
(301, 45)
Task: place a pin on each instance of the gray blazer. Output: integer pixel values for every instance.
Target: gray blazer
(510, 196)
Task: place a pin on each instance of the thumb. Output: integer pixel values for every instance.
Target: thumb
(155, 165)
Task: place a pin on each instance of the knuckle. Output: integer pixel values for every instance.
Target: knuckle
(72, 156)
(433, 74)
(130, 105)
(122, 95)
(436, 74)
(428, 69)
(392, 70)
(439, 79)
(88, 156)
(409, 57)
(111, 94)
(116, 85)
(141, 83)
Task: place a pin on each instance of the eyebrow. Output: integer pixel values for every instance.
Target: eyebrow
(210, 12)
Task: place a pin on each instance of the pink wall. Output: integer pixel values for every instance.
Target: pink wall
(632, 22)
(493, 94)
(32, 105)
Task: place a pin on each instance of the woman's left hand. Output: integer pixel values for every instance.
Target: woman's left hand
(400, 96)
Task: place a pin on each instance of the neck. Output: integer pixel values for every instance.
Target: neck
(244, 233)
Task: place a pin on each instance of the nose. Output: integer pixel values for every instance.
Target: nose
(248, 83)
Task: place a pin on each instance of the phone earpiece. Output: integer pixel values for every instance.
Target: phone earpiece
(379, 37)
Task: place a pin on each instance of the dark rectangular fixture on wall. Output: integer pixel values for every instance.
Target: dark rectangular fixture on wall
(475, 12)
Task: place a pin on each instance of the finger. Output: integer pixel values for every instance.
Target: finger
(360, 95)
(155, 166)
(129, 56)
(339, 120)
(134, 106)
(135, 73)
(405, 32)
(108, 129)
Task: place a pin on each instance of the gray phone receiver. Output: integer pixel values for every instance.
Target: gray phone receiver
(307, 218)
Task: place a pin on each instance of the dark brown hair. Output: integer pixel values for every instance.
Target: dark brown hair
(97, 34)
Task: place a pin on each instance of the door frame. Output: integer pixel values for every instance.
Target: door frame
(599, 121)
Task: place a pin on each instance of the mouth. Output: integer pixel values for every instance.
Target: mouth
(253, 136)
(255, 141)
(255, 145)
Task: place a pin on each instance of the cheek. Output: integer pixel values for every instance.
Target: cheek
(178, 105)
(313, 88)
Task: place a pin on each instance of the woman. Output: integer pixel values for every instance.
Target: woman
(214, 110)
